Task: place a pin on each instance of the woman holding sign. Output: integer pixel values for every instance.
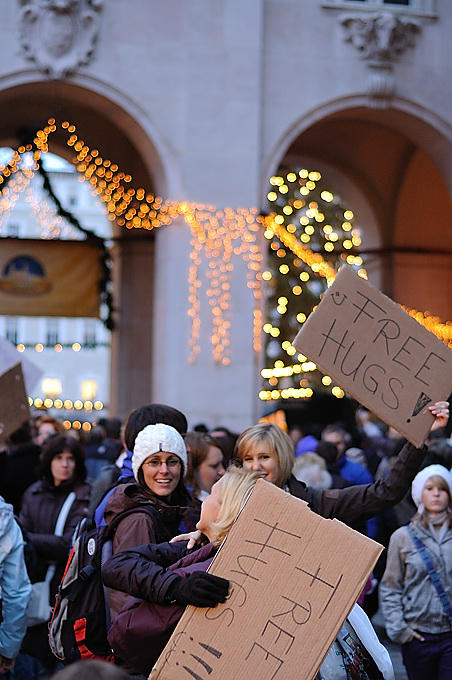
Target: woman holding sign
(268, 450)
(171, 578)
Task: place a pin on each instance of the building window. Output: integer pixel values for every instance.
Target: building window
(52, 332)
(89, 334)
(88, 389)
(51, 387)
(12, 230)
(11, 330)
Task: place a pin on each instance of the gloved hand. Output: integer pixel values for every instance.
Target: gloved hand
(199, 589)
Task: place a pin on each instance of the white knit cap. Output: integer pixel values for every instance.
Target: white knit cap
(156, 438)
(421, 478)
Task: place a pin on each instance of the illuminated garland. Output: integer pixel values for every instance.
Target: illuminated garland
(219, 234)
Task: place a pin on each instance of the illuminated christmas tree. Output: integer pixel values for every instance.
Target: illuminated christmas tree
(311, 235)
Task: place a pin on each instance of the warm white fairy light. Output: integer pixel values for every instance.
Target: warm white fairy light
(226, 233)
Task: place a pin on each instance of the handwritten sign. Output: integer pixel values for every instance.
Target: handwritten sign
(294, 578)
(14, 408)
(378, 354)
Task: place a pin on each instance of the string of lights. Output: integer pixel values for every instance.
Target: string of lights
(217, 235)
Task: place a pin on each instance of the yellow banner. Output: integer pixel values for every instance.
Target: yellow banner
(49, 278)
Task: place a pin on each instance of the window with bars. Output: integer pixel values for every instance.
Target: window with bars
(11, 330)
(52, 333)
(89, 333)
(12, 230)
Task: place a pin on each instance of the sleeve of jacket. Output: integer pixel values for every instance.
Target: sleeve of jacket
(56, 548)
(391, 590)
(361, 502)
(142, 572)
(16, 591)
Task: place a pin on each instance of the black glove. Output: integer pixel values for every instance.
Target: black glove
(199, 589)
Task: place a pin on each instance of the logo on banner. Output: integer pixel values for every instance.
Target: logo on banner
(24, 275)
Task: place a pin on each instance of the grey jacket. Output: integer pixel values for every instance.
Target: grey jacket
(408, 598)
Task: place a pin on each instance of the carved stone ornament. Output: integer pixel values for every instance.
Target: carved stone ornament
(59, 35)
(380, 37)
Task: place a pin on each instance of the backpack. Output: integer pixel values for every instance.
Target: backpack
(81, 616)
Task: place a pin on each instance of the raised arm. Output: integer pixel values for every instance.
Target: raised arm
(358, 503)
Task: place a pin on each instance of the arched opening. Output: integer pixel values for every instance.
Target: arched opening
(392, 169)
(398, 194)
(117, 134)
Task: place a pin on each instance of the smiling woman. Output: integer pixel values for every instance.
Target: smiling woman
(156, 505)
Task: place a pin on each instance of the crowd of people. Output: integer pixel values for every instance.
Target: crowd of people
(173, 493)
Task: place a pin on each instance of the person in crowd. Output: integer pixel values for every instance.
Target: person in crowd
(353, 472)
(143, 627)
(62, 471)
(144, 573)
(205, 463)
(158, 498)
(311, 469)
(121, 472)
(91, 669)
(95, 452)
(414, 613)
(227, 440)
(113, 427)
(330, 454)
(46, 426)
(19, 465)
(268, 449)
(15, 589)
(306, 442)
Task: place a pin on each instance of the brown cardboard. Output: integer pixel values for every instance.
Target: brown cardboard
(294, 576)
(14, 407)
(378, 354)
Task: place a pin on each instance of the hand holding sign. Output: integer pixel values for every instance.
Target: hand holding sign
(378, 354)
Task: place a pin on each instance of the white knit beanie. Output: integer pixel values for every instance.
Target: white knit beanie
(421, 478)
(156, 438)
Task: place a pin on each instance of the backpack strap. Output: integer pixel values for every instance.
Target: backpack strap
(59, 529)
(432, 573)
(161, 535)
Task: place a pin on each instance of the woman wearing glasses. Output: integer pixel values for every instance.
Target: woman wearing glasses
(157, 504)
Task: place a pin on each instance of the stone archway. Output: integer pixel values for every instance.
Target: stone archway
(397, 165)
(123, 136)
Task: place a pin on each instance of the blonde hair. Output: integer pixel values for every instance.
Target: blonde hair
(236, 487)
(442, 485)
(280, 444)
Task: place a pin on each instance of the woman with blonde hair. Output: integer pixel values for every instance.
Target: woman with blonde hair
(266, 449)
(170, 577)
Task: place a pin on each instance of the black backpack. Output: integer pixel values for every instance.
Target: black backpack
(81, 617)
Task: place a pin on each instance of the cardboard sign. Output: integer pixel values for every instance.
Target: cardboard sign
(294, 577)
(14, 407)
(9, 357)
(378, 354)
